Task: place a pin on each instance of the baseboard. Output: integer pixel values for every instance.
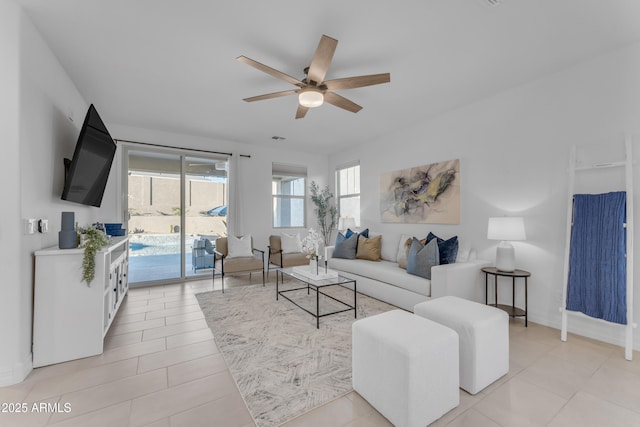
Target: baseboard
(587, 327)
(10, 375)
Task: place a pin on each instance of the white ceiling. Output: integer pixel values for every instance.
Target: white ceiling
(170, 64)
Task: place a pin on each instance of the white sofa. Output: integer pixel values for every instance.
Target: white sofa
(386, 281)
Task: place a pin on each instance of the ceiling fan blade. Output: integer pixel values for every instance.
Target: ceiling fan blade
(322, 59)
(360, 81)
(302, 111)
(271, 71)
(271, 95)
(342, 102)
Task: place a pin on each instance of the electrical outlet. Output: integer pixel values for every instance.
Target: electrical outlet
(43, 225)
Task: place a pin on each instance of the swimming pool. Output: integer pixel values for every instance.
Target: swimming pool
(157, 244)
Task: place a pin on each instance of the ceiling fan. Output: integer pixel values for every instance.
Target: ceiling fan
(313, 90)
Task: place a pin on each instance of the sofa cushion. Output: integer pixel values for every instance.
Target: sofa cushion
(389, 246)
(389, 250)
(464, 252)
(369, 249)
(345, 247)
(402, 250)
(422, 257)
(383, 271)
(448, 248)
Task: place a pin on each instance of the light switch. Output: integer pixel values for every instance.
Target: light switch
(43, 225)
(31, 226)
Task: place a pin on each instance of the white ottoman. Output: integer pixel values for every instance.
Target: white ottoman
(484, 338)
(406, 367)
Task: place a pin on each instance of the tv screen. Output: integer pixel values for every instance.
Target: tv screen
(87, 173)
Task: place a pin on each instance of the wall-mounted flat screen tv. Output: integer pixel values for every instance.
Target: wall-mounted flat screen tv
(87, 173)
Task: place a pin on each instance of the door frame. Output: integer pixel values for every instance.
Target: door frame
(182, 153)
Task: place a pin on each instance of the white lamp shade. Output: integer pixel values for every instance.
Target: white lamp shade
(346, 222)
(506, 228)
(310, 98)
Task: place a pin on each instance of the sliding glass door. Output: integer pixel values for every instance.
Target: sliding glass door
(177, 206)
(154, 216)
(205, 213)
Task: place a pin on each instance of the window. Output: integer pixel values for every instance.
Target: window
(348, 190)
(288, 189)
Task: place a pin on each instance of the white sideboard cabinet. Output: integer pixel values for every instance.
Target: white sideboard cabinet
(71, 318)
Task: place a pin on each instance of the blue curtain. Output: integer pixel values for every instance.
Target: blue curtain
(597, 265)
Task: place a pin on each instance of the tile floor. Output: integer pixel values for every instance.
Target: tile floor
(161, 368)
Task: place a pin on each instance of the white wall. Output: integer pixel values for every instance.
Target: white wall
(514, 154)
(39, 97)
(52, 113)
(14, 354)
(254, 204)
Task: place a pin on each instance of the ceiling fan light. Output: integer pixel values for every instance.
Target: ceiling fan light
(310, 98)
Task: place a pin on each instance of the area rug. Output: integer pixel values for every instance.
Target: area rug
(282, 364)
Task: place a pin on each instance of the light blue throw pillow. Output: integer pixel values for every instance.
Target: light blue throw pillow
(345, 247)
(422, 257)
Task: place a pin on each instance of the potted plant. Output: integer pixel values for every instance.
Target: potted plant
(93, 240)
(326, 212)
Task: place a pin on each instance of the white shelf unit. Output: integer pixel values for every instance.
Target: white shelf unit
(71, 318)
(627, 165)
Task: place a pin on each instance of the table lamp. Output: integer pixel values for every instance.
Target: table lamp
(346, 222)
(506, 229)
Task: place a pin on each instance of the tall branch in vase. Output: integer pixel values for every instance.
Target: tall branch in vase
(326, 212)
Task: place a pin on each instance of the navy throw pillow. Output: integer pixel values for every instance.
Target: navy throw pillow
(448, 248)
(345, 246)
(364, 233)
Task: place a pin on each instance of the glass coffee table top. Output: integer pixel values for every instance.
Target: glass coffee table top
(314, 285)
(339, 280)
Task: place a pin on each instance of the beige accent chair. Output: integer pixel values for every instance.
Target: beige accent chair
(224, 265)
(280, 260)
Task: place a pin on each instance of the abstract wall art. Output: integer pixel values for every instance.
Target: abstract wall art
(428, 194)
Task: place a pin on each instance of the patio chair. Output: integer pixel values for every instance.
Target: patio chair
(202, 254)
